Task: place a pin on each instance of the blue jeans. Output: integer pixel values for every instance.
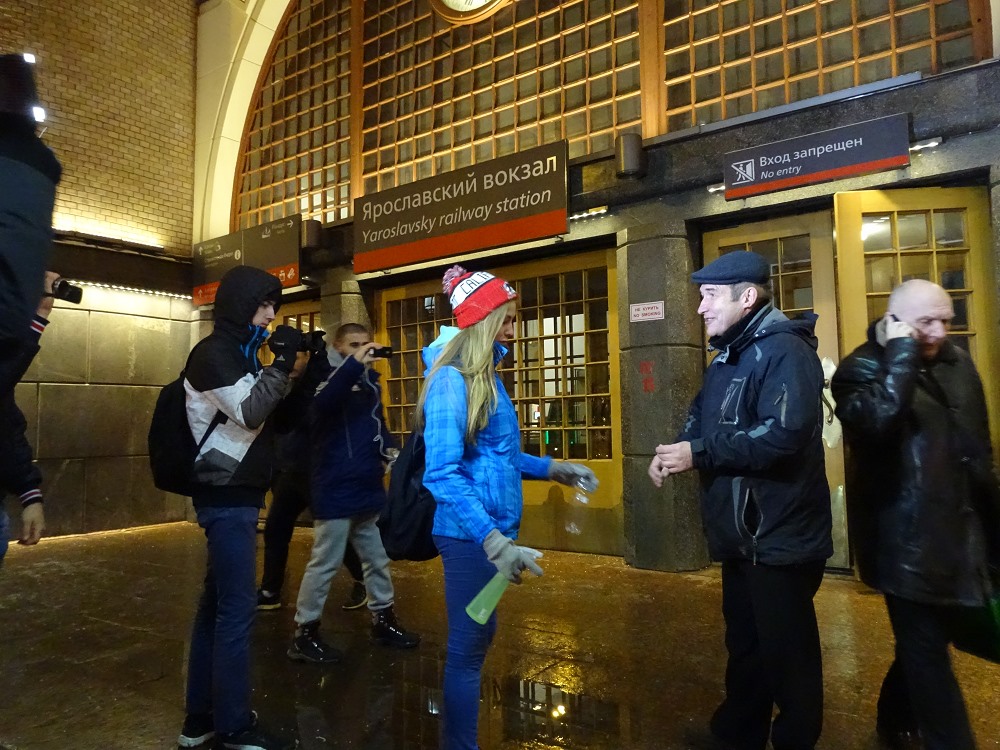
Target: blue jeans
(219, 663)
(4, 531)
(466, 571)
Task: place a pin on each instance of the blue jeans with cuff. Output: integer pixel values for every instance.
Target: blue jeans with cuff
(466, 571)
(219, 662)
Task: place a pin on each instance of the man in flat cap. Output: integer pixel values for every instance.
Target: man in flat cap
(753, 433)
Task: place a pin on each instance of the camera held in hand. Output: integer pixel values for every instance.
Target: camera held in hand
(313, 342)
(62, 289)
(382, 351)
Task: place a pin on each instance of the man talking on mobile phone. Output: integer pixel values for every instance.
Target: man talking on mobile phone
(923, 504)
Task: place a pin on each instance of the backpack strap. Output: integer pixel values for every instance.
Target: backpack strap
(219, 417)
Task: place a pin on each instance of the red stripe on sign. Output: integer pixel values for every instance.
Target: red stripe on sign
(205, 294)
(288, 275)
(829, 174)
(431, 248)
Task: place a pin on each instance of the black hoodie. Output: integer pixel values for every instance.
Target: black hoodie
(224, 374)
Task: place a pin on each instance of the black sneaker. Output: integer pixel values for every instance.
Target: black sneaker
(387, 631)
(198, 730)
(251, 738)
(308, 646)
(703, 738)
(358, 597)
(898, 738)
(268, 601)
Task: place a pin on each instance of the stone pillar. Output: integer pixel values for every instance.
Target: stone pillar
(661, 371)
(341, 301)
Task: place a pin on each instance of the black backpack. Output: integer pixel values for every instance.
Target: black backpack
(172, 449)
(407, 520)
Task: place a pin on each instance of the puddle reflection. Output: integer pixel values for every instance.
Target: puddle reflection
(538, 711)
(395, 704)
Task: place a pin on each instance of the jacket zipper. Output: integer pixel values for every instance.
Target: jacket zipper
(742, 523)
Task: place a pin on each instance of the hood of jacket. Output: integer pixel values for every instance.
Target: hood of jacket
(240, 293)
(433, 350)
(369, 374)
(769, 321)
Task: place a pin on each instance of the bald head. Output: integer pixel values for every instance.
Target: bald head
(928, 309)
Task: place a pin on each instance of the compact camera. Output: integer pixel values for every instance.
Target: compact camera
(62, 289)
(382, 351)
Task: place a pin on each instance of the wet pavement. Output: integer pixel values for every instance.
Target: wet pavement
(593, 656)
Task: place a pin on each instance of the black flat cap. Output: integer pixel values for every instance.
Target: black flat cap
(734, 267)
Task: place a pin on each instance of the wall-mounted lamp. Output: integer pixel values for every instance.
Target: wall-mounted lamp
(925, 144)
(717, 188)
(29, 58)
(134, 290)
(39, 114)
(590, 213)
(630, 159)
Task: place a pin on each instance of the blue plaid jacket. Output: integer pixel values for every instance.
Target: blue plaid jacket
(477, 487)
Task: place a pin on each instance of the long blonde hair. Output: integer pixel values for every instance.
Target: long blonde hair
(471, 353)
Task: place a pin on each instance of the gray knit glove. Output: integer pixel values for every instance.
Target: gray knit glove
(509, 558)
(573, 475)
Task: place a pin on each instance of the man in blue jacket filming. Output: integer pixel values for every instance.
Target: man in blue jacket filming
(351, 447)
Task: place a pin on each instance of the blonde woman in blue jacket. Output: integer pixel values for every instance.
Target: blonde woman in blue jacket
(474, 467)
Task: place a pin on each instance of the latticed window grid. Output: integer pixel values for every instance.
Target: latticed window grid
(930, 245)
(558, 372)
(439, 97)
(725, 59)
(296, 153)
(791, 269)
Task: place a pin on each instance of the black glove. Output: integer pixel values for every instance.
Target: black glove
(313, 342)
(284, 343)
(317, 370)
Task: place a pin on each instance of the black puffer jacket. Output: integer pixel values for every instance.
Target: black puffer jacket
(755, 432)
(920, 461)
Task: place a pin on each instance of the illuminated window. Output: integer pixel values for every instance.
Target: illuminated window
(791, 270)
(730, 58)
(931, 245)
(296, 155)
(439, 97)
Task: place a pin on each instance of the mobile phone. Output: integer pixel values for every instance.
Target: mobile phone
(381, 351)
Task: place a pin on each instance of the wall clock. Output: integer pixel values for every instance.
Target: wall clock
(467, 11)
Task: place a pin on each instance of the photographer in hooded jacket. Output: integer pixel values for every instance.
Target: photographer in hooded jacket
(224, 376)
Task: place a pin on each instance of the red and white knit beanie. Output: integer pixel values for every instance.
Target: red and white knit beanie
(474, 295)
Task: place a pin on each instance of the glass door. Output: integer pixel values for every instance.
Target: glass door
(800, 250)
